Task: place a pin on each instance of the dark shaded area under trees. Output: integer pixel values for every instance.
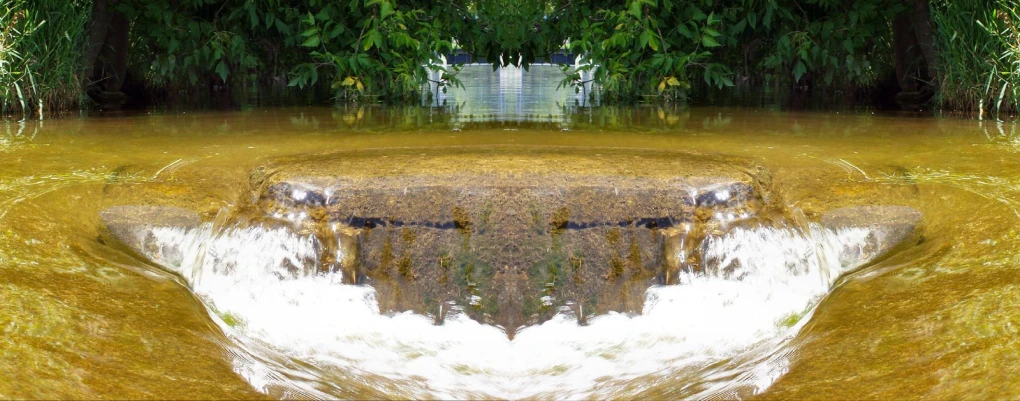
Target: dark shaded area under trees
(885, 53)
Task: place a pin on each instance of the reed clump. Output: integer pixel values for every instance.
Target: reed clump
(41, 44)
(979, 48)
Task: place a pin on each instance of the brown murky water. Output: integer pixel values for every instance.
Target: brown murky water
(82, 318)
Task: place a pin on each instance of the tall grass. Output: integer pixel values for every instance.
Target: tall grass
(41, 49)
(979, 49)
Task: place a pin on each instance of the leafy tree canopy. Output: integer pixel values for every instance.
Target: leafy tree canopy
(392, 50)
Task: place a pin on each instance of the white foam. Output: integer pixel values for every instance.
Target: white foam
(709, 318)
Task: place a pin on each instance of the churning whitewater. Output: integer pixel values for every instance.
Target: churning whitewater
(718, 324)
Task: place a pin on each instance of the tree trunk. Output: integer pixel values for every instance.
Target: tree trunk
(905, 53)
(114, 57)
(920, 18)
(106, 54)
(914, 55)
(97, 37)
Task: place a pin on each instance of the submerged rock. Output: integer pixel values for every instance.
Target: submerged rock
(133, 226)
(888, 227)
(511, 236)
(507, 238)
(845, 239)
(175, 238)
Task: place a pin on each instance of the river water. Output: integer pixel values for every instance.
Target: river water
(85, 317)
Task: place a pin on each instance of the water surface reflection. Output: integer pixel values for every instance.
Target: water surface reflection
(84, 318)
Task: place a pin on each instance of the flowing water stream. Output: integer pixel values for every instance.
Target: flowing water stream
(293, 252)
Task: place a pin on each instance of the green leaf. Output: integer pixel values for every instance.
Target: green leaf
(281, 27)
(222, 70)
(712, 19)
(336, 31)
(385, 9)
(709, 41)
(251, 14)
(363, 60)
(375, 37)
(799, 70)
(712, 32)
(682, 28)
(738, 28)
(635, 8)
(312, 41)
(368, 42)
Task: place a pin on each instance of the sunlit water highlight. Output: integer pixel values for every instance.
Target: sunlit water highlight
(683, 332)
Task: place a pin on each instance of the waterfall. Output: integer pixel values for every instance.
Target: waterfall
(755, 286)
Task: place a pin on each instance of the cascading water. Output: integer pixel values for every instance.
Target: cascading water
(715, 330)
(626, 273)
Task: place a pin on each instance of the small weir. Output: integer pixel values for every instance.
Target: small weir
(510, 272)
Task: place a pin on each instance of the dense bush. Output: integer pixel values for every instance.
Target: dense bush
(633, 50)
(644, 47)
(360, 49)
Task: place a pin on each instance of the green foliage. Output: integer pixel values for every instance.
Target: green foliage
(637, 48)
(360, 49)
(511, 32)
(633, 50)
(40, 55)
(665, 47)
(979, 49)
(392, 53)
(177, 43)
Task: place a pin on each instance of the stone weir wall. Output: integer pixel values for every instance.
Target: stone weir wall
(509, 236)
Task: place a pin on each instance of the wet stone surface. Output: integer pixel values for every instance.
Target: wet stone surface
(509, 241)
(888, 227)
(132, 225)
(511, 246)
(857, 236)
